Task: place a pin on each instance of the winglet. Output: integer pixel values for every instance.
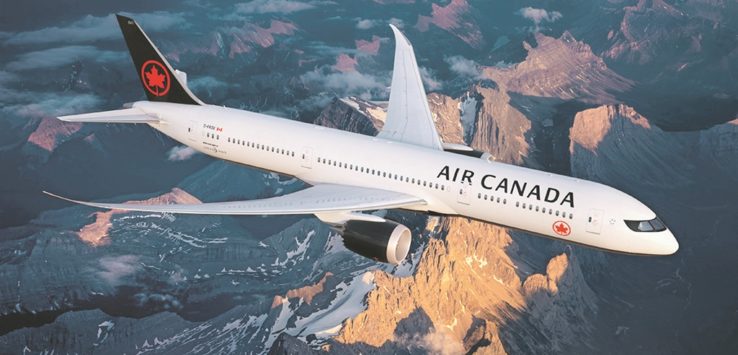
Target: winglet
(409, 118)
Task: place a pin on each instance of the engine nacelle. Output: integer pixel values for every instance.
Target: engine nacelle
(388, 242)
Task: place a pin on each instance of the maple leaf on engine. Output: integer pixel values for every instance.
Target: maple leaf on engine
(154, 78)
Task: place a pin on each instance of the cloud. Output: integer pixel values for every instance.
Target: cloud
(397, 22)
(114, 269)
(61, 56)
(275, 6)
(429, 79)
(327, 84)
(180, 153)
(347, 83)
(365, 24)
(463, 67)
(210, 87)
(157, 301)
(92, 28)
(435, 342)
(6, 77)
(539, 15)
(36, 105)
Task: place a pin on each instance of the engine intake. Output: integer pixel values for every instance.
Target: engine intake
(388, 242)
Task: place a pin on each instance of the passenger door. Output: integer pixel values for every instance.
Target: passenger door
(193, 131)
(594, 221)
(306, 159)
(462, 193)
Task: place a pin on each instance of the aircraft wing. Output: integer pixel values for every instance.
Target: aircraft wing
(318, 199)
(409, 118)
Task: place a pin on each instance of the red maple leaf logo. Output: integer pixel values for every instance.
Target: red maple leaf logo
(154, 78)
(561, 228)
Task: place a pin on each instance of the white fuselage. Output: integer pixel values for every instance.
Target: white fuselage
(557, 206)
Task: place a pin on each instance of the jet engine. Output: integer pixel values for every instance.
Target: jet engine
(388, 242)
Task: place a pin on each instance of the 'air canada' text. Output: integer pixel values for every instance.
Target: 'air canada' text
(508, 186)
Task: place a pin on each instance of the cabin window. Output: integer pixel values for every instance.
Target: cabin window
(479, 195)
(557, 213)
(517, 204)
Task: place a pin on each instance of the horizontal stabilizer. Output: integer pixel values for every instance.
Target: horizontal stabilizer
(128, 115)
(318, 199)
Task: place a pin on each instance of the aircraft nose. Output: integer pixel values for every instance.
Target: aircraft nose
(670, 244)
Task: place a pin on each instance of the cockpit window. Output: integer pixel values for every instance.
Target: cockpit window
(654, 225)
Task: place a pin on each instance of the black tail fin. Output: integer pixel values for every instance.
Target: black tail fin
(161, 83)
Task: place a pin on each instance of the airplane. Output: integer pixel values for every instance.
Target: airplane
(406, 166)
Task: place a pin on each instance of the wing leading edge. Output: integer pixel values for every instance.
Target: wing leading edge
(409, 118)
(319, 199)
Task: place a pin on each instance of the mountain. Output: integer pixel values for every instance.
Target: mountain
(639, 95)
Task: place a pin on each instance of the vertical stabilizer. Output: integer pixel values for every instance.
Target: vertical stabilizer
(160, 82)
